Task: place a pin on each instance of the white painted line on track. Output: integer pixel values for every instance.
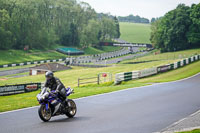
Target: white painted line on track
(108, 93)
(17, 110)
(179, 121)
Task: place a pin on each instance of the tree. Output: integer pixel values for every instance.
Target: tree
(6, 36)
(6, 39)
(108, 28)
(134, 19)
(193, 34)
(153, 20)
(117, 27)
(170, 32)
(43, 23)
(90, 33)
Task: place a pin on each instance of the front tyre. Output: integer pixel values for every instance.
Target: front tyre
(71, 111)
(44, 114)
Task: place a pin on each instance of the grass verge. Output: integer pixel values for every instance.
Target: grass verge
(29, 99)
(193, 131)
(19, 56)
(99, 50)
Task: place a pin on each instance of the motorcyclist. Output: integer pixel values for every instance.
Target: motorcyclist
(55, 85)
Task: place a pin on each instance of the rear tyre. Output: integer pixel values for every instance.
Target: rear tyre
(44, 114)
(71, 111)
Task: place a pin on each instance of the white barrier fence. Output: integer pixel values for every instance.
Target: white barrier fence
(119, 77)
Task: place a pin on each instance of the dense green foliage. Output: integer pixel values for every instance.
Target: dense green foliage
(43, 23)
(117, 28)
(135, 33)
(133, 19)
(179, 29)
(154, 19)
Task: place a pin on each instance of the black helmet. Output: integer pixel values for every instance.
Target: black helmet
(49, 75)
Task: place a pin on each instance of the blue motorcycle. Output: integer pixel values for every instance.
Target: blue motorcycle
(51, 105)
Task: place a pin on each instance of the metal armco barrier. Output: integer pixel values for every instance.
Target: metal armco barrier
(20, 88)
(147, 72)
(126, 76)
(33, 62)
(164, 68)
(119, 77)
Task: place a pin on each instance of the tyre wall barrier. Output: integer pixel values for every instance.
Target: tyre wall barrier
(103, 56)
(164, 68)
(147, 72)
(31, 63)
(126, 76)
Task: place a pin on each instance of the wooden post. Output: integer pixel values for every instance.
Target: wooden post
(78, 82)
(98, 80)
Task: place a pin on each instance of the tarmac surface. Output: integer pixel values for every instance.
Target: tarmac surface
(138, 110)
(189, 123)
(13, 71)
(119, 59)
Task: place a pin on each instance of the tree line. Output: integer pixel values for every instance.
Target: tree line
(133, 19)
(178, 29)
(44, 23)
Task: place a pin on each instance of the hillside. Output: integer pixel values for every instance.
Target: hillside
(135, 33)
(19, 56)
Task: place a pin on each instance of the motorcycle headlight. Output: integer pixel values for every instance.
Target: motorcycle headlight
(38, 97)
(45, 95)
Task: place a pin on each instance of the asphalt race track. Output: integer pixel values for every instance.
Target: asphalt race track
(138, 110)
(14, 71)
(117, 60)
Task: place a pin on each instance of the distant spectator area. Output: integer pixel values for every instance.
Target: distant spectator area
(70, 51)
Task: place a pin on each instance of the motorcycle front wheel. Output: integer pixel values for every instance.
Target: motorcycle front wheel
(71, 108)
(44, 114)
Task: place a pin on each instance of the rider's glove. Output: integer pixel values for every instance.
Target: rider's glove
(56, 91)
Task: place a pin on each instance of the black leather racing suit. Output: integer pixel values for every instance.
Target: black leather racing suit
(56, 85)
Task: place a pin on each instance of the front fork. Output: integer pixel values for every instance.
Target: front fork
(47, 106)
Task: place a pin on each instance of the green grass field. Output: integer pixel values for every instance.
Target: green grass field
(17, 67)
(135, 33)
(103, 49)
(167, 58)
(69, 78)
(109, 48)
(19, 56)
(29, 99)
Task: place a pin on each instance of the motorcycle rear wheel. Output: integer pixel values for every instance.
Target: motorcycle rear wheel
(44, 114)
(71, 108)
